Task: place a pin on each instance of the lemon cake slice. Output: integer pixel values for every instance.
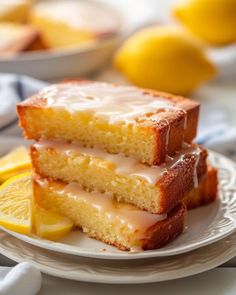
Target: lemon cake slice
(15, 38)
(156, 189)
(141, 123)
(118, 224)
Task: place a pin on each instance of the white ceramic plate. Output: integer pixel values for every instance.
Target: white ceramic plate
(204, 225)
(61, 63)
(119, 272)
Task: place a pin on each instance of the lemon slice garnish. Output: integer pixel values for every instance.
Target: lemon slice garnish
(50, 225)
(15, 203)
(15, 162)
(19, 213)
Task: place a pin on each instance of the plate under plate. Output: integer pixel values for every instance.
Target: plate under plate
(119, 271)
(204, 225)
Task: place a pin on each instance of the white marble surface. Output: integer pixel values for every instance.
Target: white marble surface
(216, 282)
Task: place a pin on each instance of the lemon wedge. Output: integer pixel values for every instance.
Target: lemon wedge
(50, 225)
(15, 203)
(164, 58)
(212, 20)
(19, 213)
(15, 162)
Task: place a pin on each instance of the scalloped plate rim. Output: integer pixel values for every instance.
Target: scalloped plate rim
(183, 272)
(71, 250)
(75, 250)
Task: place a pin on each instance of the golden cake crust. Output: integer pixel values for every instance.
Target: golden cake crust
(179, 180)
(161, 233)
(177, 126)
(166, 230)
(206, 193)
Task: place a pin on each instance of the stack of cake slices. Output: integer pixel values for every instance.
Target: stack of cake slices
(117, 160)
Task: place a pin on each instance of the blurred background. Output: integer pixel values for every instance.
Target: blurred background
(183, 47)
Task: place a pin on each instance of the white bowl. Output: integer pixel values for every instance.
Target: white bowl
(59, 64)
(66, 62)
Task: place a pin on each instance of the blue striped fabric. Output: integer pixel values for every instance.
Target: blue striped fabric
(13, 89)
(216, 130)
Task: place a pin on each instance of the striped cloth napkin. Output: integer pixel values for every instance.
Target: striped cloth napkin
(13, 89)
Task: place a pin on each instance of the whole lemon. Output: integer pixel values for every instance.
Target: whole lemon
(164, 58)
(212, 20)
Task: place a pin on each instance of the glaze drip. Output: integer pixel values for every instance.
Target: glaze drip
(112, 103)
(127, 165)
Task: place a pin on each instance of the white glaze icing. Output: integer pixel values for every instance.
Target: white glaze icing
(185, 120)
(126, 165)
(130, 215)
(78, 14)
(195, 176)
(113, 103)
